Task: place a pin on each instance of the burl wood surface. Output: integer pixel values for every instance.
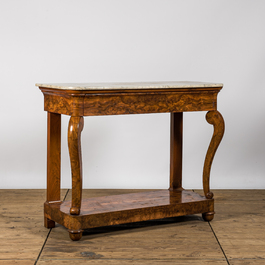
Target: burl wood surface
(113, 102)
(126, 208)
(215, 118)
(75, 128)
(132, 103)
(123, 202)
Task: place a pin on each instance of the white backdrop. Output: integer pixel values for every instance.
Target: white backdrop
(135, 40)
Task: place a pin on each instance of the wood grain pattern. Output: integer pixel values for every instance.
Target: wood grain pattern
(120, 209)
(138, 103)
(75, 128)
(177, 240)
(17, 262)
(53, 161)
(129, 201)
(21, 225)
(215, 118)
(151, 261)
(240, 225)
(64, 103)
(173, 241)
(176, 131)
(91, 103)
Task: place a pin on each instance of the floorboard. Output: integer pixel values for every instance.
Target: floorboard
(236, 235)
(21, 225)
(239, 225)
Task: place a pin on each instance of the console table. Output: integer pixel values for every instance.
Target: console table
(92, 99)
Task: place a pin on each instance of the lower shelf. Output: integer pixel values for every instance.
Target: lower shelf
(127, 208)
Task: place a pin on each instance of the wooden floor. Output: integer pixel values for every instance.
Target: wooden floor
(236, 236)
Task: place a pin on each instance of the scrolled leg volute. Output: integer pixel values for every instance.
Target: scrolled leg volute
(215, 118)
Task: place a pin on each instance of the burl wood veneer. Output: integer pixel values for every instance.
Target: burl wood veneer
(78, 100)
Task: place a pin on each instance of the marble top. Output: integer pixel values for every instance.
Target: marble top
(132, 85)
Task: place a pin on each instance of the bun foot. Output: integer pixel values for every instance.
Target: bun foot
(75, 235)
(208, 216)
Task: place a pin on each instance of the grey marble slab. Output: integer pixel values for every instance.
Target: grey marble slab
(132, 85)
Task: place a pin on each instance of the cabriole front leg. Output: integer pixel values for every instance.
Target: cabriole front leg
(75, 128)
(215, 118)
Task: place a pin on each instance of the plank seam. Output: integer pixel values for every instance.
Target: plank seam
(43, 246)
(65, 195)
(219, 244)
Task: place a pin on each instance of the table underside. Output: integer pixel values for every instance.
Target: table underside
(126, 208)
